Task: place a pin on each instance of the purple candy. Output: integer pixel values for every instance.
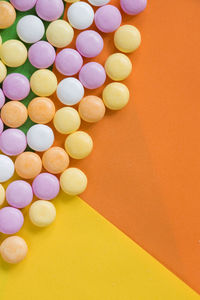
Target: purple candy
(108, 18)
(49, 10)
(89, 43)
(92, 75)
(11, 220)
(41, 55)
(1, 126)
(16, 86)
(2, 98)
(23, 5)
(13, 142)
(68, 62)
(19, 194)
(133, 7)
(46, 186)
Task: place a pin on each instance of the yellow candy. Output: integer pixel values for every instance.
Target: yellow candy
(73, 181)
(59, 33)
(0, 40)
(116, 95)
(118, 66)
(13, 53)
(78, 144)
(2, 194)
(66, 120)
(3, 71)
(42, 213)
(43, 82)
(127, 38)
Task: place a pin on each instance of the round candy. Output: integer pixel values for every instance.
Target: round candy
(14, 114)
(13, 249)
(41, 55)
(7, 14)
(89, 43)
(78, 144)
(66, 120)
(42, 213)
(99, 2)
(3, 71)
(12, 142)
(11, 220)
(46, 186)
(59, 33)
(92, 75)
(2, 194)
(16, 86)
(28, 165)
(55, 160)
(70, 91)
(30, 29)
(23, 5)
(13, 53)
(2, 98)
(91, 109)
(116, 95)
(0, 40)
(40, 137)
(73, 181)
(6, 168)
(49, 10)
(118, 66)
(133, 7)
(19, 194)
(108, 18)
(127, 38)
(43, 82)
(68, 62)
(41, 110)
(1, 126)
(80, 15)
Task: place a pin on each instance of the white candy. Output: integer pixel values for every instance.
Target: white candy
(30, 29)
(40, 137)
(6, 168)
(70, 91)
(99, 2)
(80, 15)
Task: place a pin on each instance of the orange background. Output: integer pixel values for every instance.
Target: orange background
(144, 170)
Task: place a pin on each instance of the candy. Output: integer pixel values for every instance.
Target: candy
(127, 38)
(78, 144)
(40, 137)
(6, 168)
(59, 33)
(49, 10)
(0, 40)
(43, 82)
(28, 165)
(70, 91)
(116, 95)
(42, 213)
(92, 75)
(14, 114)
(66, 120)
(118, 66)
(71, 1)
(99, 2)
(2, 98)
(133, 7)
(1, 126)
(2, 194)
(7, 14)
(89, 43)
(73, 181)
(55, 160)
(80, 15)
(13, 53)
(30, 29)
(91, 109)
(19, 194)
(13, 249)
(46, 186)
(12, 142)
(68, 62)
(3, 71)
(23, 5)
(41, 55)
(41, 110)
(11, 220)
(108, 18)
(16, 86)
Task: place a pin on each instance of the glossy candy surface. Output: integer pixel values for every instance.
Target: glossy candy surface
(59, 33)
(70, 91)
(49, 10)
(28, 165)
(80, 15)
(118, 66)
(55, 160)
(41, 55)
(12, 142)
(73, 181)
(108, 18)
(91, 109)
(116, 95)
(41, 110)
(89, 43)
(14, 114)
(92, 75)
(133, 7)
(127, 38)
(6, 168)
(40, 137)
(30, 29)
(79, 144)
(66, 120)
(46, 186)
(69, 62)
(43, 82)
(16, 86)
(19, 194)
(13, 53)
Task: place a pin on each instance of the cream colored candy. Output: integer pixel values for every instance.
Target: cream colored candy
(59, 33)
(42, 213)
(13, 53)
(118, 66)
(2, 194)
(79, 144)
(116, 95)
(0, 41)
(3, 71)
(73, 181)
(66, 120)
(127, 38)
(13, 249)
(43, 82)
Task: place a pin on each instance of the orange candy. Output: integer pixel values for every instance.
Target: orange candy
(14, 114)
(7, 14)
(91, 109)
(28, 165)
(55, 160)
(41, 110)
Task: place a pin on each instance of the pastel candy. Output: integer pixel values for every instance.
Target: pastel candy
(41, 55)
(13, 249)
(12, 142)
(16, 86)
(133, 7)
(79, 144)
(6, 168)
(46, 186)
(73, 181)
(49, 10)
(42, 213)
(19, 194)
(11, 220)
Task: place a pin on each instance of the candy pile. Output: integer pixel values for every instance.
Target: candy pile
(41, 109)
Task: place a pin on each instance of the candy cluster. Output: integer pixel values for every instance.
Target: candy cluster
(44, 173)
